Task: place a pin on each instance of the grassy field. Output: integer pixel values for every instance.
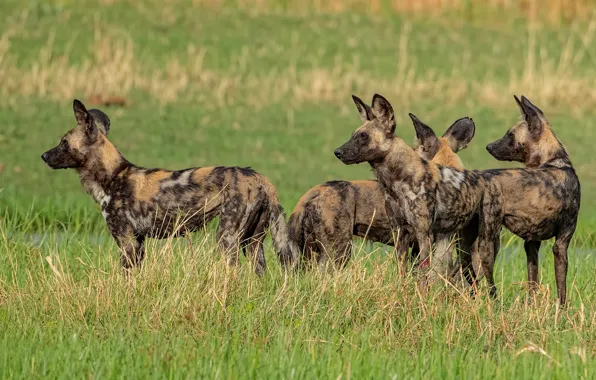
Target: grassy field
(267, 84)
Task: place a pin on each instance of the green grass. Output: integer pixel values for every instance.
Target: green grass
(272, 90)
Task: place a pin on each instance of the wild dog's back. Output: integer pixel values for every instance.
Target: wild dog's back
(157, 202)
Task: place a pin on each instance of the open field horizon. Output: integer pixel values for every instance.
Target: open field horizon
(268, 84)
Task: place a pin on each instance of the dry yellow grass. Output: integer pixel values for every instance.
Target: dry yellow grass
(113, 69)
(551, 11)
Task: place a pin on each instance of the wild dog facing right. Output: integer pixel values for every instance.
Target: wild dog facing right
(536, 203)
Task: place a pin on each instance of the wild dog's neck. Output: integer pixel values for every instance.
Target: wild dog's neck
(548, 151)
(400, 163)
(103, 164)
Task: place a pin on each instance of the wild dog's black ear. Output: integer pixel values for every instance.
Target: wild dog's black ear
(383, 111)
(365, 111)
(84, 118)
(426, 136)
(519, 104)
(80, 112)
(102, 121)
(460, 134)
(534, 117)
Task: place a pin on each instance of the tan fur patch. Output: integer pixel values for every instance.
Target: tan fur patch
(447, 157)
(148, 185)
(547, 146)
(520, 131)
(109, 155)
(75, 139)
(201, 173)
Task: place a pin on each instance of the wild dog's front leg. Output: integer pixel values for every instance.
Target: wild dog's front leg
(442, 259)
(402, 245)
(424, 238)
(420, 222)
(466, 239)
(402, 234)
(532, 247)
(132, 250)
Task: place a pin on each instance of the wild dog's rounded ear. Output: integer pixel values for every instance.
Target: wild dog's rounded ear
(382, 108)
(102, 121)
(365, 111)
(534, 117)
(460, 134)
(425, 136)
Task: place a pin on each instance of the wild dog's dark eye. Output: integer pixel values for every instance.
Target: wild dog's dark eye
(362, 136)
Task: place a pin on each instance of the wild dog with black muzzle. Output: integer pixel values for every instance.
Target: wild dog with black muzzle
(421, 197)
(139, 203)
(536, 203)
(328, 215)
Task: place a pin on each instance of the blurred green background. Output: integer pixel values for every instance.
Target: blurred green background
(267, 84)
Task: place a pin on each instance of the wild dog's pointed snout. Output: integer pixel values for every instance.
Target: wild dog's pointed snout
(338, 153)
(44, 157)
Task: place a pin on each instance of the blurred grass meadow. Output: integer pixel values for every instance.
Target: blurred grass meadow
(267, 84)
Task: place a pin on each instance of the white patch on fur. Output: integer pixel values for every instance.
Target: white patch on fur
(408, 192)
(100, 196)
(183, 180)
(141, 223)
(453, 177)
(104, 203)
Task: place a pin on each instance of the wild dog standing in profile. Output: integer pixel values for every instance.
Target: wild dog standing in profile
(536, 203)
(139, 203)
(328, 215)
(421, 197)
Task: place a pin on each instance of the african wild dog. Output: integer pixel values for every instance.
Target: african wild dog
(139, 203)
(327, 216)
(421, 197)
(536, 203)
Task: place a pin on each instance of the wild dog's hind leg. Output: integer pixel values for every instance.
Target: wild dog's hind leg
(532, 247)
(228, 231)
(253, 243)
(560, 251)
(343, 251)
(489, 235)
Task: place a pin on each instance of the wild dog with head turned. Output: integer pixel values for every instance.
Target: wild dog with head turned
(420, 196)
(139, 203)
(536, 203)
(328, 215)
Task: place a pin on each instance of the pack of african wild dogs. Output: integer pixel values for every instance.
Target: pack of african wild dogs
(444, 221)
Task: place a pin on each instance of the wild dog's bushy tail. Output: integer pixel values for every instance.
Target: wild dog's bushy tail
(296, 228)
(286, 250)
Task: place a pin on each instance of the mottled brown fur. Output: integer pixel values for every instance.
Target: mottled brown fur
(536, 203)
(328, 215)
(139, 203)
(422, 198)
